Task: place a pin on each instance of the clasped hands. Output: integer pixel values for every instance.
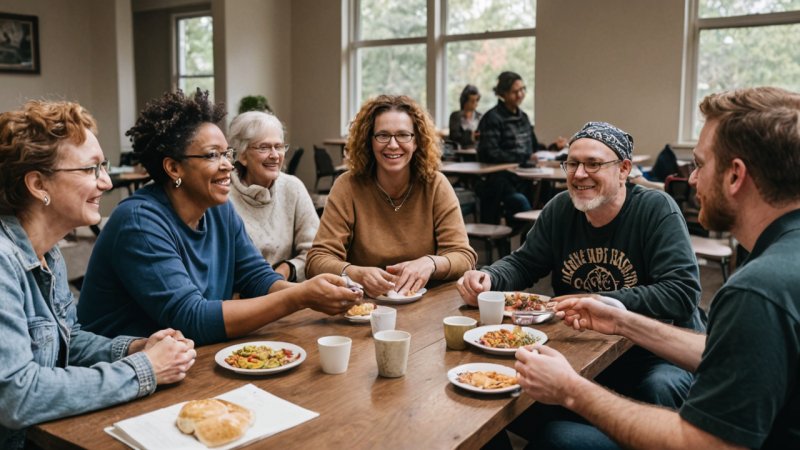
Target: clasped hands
(403, 278)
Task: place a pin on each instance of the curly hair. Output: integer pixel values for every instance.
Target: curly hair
(29, 141)
(248, 127)
(427, 157)
(166, 126)
(761, 126)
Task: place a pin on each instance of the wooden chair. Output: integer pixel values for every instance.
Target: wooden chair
(527, 216)
(711, 249)
(492, 236)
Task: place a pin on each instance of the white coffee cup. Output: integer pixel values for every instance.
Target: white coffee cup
(391, 352)
(382, 318)
(334, 353)
(491, 305)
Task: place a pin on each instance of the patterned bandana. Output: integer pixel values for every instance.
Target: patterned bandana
(617, 140)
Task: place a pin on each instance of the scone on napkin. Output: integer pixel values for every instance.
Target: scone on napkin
(213, 421)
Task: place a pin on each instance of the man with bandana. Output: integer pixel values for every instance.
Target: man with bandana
(619, 242)
(745, 393)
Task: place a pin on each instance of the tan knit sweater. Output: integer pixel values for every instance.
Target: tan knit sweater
(360, 227)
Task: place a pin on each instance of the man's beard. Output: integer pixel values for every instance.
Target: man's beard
(589, 205)
(716, 212)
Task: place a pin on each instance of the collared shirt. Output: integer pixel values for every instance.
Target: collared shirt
(49, 367)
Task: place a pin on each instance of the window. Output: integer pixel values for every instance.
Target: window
(194, 54)
(739, 43)
(431, 49)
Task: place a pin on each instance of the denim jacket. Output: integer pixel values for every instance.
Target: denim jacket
(49, 367)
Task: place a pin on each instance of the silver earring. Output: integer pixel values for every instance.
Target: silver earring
(178, 183)
(46, 200)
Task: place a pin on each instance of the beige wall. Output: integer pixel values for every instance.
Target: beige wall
(620, 62)
(315, 88)
(85, 48)
(617, 61)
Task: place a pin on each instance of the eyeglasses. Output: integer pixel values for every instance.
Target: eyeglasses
(266, 148)
(571, 166)
(216, 156)
(401, 138)
(521, 90)
(105, 165)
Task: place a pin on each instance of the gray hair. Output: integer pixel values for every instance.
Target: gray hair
(250, 126)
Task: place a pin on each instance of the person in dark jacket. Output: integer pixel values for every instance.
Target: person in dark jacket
(506, 136)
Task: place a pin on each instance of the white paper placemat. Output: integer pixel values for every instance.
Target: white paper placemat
(157, 429)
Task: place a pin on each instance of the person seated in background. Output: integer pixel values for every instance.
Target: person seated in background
(612, 239)
(175, 252)
(464, 122)
(277, 211)
(54, 175)
(745, 392)
(507, 136)
(392, 222)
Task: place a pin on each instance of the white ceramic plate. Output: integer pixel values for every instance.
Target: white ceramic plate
(398, 299)
(453, 373)
(225, 352)
(507, 313)
(359, 319)
(473, 336)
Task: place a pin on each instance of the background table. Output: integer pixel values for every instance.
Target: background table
(359, 409)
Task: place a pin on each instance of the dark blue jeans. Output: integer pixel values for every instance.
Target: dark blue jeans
(502, 194)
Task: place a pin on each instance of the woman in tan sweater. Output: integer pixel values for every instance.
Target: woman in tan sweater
(392, 222)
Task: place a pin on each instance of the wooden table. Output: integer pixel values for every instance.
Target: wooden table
(359, 409)
(474, 168)
(129, 180)
(340, 142)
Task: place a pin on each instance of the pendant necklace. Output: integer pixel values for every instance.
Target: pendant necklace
(389, 197)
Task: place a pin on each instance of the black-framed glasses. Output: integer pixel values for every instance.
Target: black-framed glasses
(266, 148)
(105, 165)
(216, 156)
(402, 137)
(571, 166)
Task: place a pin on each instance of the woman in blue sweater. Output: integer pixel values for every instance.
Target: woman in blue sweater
(174, 252)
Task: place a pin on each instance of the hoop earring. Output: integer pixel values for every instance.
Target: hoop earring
(178, 183)
(46, 200)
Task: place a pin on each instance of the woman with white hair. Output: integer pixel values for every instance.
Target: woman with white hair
(277, 211)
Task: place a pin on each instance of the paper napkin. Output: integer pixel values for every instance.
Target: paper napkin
(157, 429)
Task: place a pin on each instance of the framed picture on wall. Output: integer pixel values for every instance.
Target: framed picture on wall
(19, 43)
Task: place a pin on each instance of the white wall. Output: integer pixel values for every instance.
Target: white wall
(617, 61)
(256, 58)
(86, 50)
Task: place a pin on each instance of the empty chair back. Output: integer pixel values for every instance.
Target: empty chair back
(325, 168)
(295, 161)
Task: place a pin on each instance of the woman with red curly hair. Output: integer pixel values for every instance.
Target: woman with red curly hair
(392, 222)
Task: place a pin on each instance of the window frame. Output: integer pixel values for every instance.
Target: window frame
(694, 26)
(176, 75)
(435, 40)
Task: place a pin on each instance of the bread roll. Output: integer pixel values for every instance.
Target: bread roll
(213, 421)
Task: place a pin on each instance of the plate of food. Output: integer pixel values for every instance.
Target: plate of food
(524, 301)
(503, 339)
(260, 358)
(360, 313)
(484, 378)
(396, 298)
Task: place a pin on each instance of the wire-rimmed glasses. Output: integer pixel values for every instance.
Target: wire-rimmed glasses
(105, 165)
(571, 166)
